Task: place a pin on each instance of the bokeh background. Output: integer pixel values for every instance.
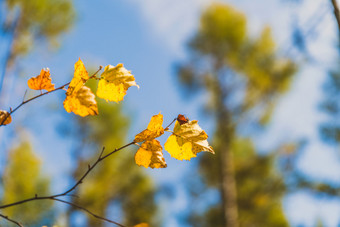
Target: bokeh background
(261, 77)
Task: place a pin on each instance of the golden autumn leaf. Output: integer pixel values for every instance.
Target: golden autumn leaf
(114, 83)
(82, 102)
(154, 129)
(179, 148)
(80, 77)
(187, 140)
(42, 81)
(150, 155)
(5, 117)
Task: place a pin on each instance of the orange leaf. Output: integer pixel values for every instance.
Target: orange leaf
(42, 81)
(153, 130)
(5, 117)
(150, 155)
(82, 102)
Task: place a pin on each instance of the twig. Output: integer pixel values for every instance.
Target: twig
(94, 75)
(73, 187)
(53, 197)
(336, 12)
(87, 211)
(11, 220)
(101, 153)
(35, 97)
(24, 97)
(66, 193)
(167, 127)
(114, 151)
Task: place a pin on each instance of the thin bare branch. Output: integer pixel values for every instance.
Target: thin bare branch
(36, 197)
(101, 153)
(167, 127)
(66, 193)
(11, 220)
(87, 211)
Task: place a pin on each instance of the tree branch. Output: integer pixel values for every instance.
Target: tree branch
(336, 12)
(38, 96)
(11, 220)
(87, 211)
(100, 158)
(167, 127)
(54, 197)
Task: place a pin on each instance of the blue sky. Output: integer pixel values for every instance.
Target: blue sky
(149, 36)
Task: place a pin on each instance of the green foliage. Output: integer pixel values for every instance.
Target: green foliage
(226, 61)
(215, 36)
(22, 179)
(259, 187)
(266, 73)
(33, 20)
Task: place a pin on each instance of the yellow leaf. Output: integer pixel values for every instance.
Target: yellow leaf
(82, 102)
(79, 98)
(80, 77)
(5, 117)
(178, 148)
(150, 155)
(42, 81)
(114, 83)
(153, 130)
(187, 140)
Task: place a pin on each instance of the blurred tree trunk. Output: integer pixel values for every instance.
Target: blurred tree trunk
(229, 188)
(243, 78)
(225, 131)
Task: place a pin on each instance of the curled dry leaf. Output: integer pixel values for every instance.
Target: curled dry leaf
(80, 77)
(5, 117)
(187, 140)
(154, 129)
(114, 83)
(82, 102)
(42, 81)
(150, 155)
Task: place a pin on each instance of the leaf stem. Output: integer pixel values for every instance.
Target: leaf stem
(167, 127)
